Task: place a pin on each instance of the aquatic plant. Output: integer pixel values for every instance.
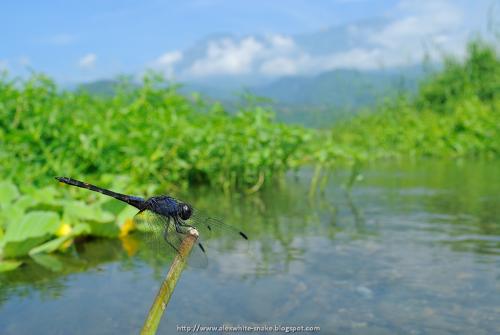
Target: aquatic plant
(152, 134)
(42, 221)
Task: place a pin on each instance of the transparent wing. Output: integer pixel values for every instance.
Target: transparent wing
(224, 242)
(164, 236)
(210, 226)
(153, 228)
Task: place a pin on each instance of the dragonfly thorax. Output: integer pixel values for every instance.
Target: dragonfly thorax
(169, 207)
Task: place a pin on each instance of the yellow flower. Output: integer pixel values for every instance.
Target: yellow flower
(126, 227)
(64, 229)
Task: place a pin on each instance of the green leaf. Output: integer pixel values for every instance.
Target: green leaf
(9, 265)
(15, 211)
(25, 201)
(47, 195)
(50, 246)
(13, 249)
(81, 229)
(82, 211)
(8, 192)
(50, 262)
(11, 213)
(33, 224)
(33, 229)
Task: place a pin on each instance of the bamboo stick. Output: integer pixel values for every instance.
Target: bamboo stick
(167, 288)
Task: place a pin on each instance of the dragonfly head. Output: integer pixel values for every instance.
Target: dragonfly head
(185, 211)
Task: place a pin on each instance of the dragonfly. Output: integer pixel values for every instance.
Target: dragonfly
(168, 218)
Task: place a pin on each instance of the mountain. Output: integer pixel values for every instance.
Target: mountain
(341, 88)
(320, 100)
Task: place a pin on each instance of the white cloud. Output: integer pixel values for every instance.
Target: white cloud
(278, 55)
(169, 58)
(435, 27)
(88, 61)
(227, 56)
(166, 62)
(281, 42)
(271, 55)
(419, 21)
(412, 29)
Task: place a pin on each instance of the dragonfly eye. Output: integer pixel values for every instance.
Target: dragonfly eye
(185, 212)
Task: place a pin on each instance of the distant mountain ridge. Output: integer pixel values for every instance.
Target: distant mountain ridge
(310, 100)
(341, 88)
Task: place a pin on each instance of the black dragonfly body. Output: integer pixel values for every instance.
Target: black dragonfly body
(166, 216)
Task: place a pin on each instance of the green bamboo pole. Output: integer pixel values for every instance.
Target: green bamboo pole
(168, 285)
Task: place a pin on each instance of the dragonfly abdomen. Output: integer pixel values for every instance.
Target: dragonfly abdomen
(137, 202)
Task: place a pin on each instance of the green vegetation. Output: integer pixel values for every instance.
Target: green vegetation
(152, 134)
(44, 220)
(149, 139)
(455, 114)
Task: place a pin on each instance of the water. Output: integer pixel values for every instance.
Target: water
(412, 249)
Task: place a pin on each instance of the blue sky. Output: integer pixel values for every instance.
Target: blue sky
(85, 40)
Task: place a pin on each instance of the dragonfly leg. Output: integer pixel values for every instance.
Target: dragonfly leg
(178, 228)
(173, 246)
(188, 225)
(165, 237)
(179, 225)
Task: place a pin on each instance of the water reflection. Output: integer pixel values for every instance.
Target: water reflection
(411, 248)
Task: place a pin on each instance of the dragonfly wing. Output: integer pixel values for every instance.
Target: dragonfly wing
(209, 225)
(220, 237)
(164, 233)
(198, 257)
(154, 228)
